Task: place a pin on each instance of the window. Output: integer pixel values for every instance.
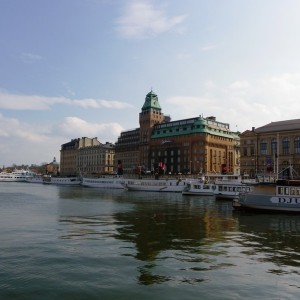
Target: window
(297, 145)
(263, 147)
(285, 146)
(274, 146)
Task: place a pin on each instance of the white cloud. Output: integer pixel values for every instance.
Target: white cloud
(245, 103)
(34, 102)
(141, 20)
(183, 56)
(206, 48)
(26, 143)
(13, 128)
(107, 131)
(94, 103)
(30, 58)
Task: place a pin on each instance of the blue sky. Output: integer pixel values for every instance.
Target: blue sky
(75, 68)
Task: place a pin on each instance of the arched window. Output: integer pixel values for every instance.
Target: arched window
(285, 146)
(274, 146)
(297, 144)
(263, 147)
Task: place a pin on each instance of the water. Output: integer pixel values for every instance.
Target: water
(81, 243)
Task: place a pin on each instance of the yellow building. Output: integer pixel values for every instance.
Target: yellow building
(269, 150)
(87, 156)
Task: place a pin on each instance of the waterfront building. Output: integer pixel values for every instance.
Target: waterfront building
(53, 168)
(271, 149)
(68, 158)
(194, 145)
(127, 150)
(86, 156)
(96, 159)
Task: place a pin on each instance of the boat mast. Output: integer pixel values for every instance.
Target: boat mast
(276, 156)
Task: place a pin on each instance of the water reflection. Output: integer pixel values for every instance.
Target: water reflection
(273, 237)
(180, 239)
(176, 231)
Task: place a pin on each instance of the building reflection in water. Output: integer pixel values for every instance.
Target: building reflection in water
(187, 235)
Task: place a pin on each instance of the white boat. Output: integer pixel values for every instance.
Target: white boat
(223, 179)
(285, 199)
(199, 188)
(156, 185)
(61, 180)
(16, 175)
(108, 182)
(35, 179)
(231, 190)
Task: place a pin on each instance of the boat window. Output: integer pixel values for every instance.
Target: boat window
(286, 191)
(280, 190)
(297, 191)
(292, 191)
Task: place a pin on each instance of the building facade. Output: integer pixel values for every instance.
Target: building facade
(68, 158)
(87, 156)
(271, 149)
(194, 145)
(127, 150)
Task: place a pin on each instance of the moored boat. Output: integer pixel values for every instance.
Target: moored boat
(16, 175)
(156, 185)
(35, 179)
(108, 182)
(199, 188)
(285, 199)
(231, 190)
(61, 180)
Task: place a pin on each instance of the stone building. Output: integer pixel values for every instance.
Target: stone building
(68, 158)
(86, 156)
(127, 150)
(96, 159)
(269, 150)
(194, 145)
(53, 168)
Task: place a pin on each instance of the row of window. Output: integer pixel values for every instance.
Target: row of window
(284, 149)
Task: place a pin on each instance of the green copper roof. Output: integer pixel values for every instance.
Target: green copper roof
(190, 126)
(151, 102)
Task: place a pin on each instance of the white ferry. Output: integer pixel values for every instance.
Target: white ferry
(16, 175)
(61, 180)
(108, 182)
(199, 188)
(156, 185)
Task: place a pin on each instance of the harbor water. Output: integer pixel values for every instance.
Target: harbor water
(60, 242)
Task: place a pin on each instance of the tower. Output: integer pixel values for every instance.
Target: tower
(149, 116)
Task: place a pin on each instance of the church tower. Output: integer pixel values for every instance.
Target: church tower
(149, 116)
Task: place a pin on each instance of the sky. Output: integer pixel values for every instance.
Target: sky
(82, 68)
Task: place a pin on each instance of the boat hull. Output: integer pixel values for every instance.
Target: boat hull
(35, 179)
(104, 182)
(62, 180)
(156, 185)
(265, 202)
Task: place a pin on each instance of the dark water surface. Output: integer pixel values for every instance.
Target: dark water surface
(83, 243)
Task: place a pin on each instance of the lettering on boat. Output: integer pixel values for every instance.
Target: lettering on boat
(287, 200)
